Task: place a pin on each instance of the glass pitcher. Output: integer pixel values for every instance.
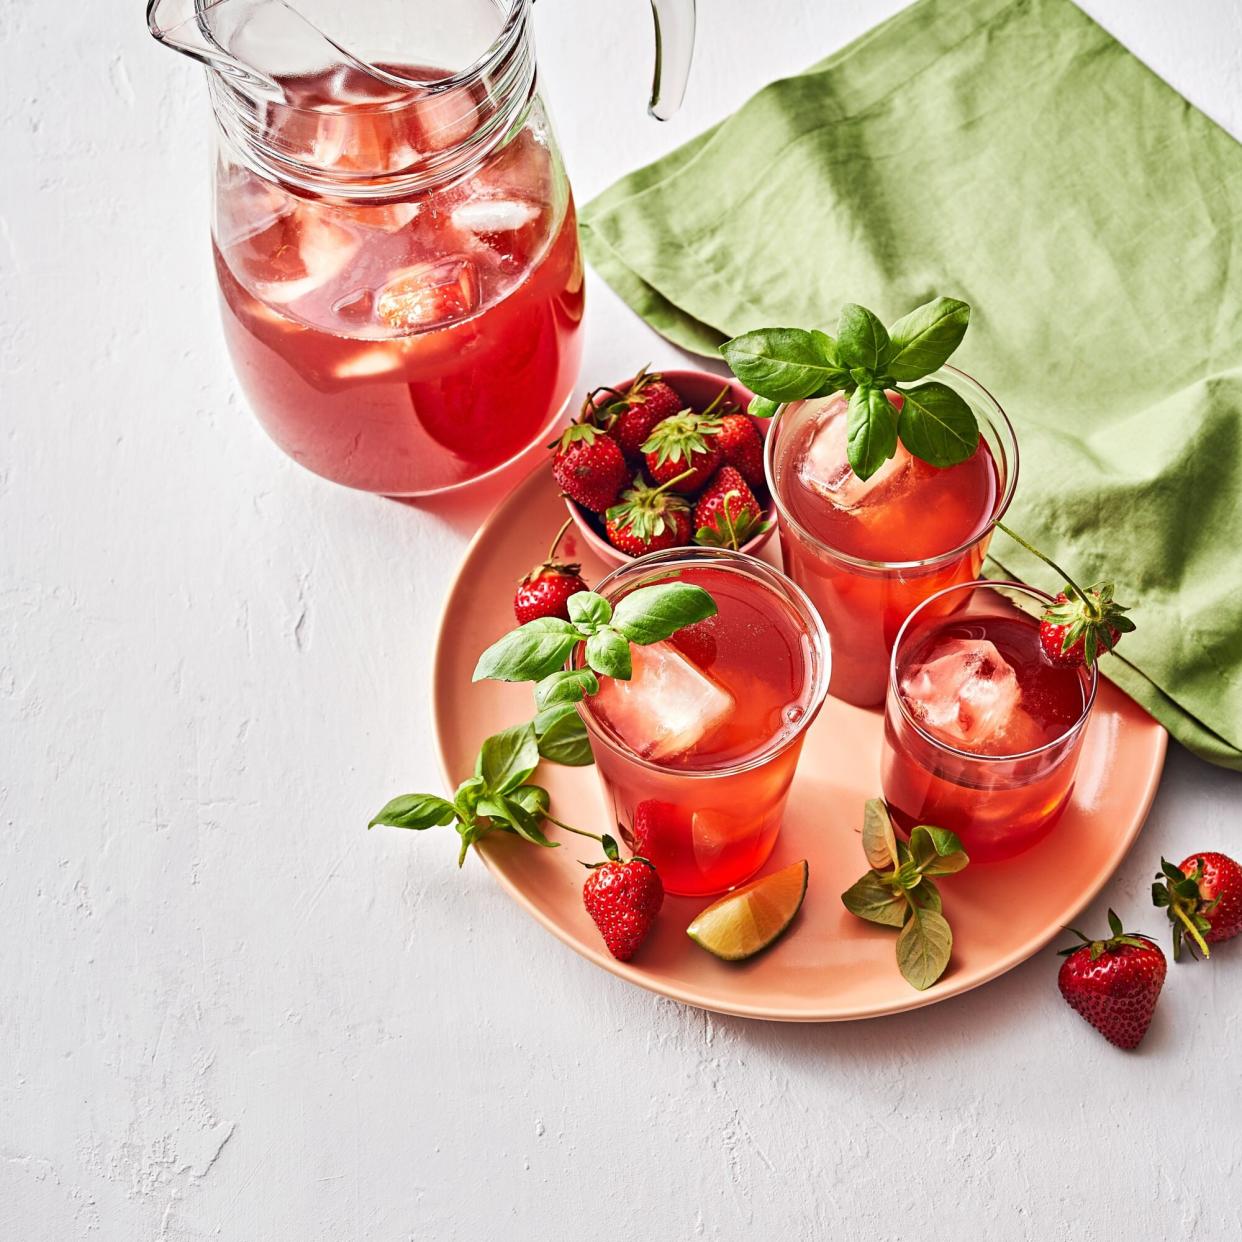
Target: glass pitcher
(395, 237)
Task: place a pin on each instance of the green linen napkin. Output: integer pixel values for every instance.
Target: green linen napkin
(1011, 153)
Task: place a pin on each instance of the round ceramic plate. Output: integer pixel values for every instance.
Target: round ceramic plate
(829, 966)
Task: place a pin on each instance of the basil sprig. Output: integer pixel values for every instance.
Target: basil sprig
(899, 892)
(867, 362)
(497, 798)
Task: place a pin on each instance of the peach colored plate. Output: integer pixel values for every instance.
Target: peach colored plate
(829, 966)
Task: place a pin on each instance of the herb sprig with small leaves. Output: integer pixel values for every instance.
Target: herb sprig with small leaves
(868, 362)
(499, 796)
(899, 891)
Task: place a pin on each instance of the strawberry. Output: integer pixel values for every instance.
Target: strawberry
(742, 446)
(631, 415)
(1078, 626)
(545, 591)
(1114, 983)
(648, 519)
(622, 899)
(683, 450)
(588, 466)
(727, 513)
(1203, 897)
(1081, 625)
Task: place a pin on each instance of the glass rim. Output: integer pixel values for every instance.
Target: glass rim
(999, 421)
(894, 688)
(777, 581)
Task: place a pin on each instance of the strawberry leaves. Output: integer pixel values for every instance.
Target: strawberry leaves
(866, 362)
(898, 891)
(1177, 892)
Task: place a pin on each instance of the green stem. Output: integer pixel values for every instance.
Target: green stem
(1192, 931)
(560, 534)
(582, 832)
(1047, 560)
(716, 400)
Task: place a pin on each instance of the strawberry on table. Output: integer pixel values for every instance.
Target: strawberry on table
(727, 513)
(1203, 898)
(589, 467)
(648, 519)
(742, 446)
(683, 449)
(545, 591)
(623, 899)
(631, 414)
(1114, 983)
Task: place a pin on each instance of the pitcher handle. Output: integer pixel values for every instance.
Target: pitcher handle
(674, 48)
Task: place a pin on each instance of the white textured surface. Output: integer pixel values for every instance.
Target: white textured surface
(226, 1011)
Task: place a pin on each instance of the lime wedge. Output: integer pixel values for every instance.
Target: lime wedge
(742, 923)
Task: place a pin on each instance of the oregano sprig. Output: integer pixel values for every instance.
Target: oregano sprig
(869, 364)
(898, 891)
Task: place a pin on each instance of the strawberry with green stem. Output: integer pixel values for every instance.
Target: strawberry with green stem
(649, 519)
(632, 414)
(727, 514)
(684, 448)
(1203, 899)
(588, 466)
(545, 591)
(1079, 626)
(1114, 983)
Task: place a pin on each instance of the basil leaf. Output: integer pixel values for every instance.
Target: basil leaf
(870, 431)
(563, 737)
(871, 899)
(514, 815)
(533, 797)
(529, 653)
(466, 799)
(937, 425)
(926, 894)
(923, 340)
(762, 407)
(608, 653)
(567, 685)
(937, 851)
(507, 759)
(654, 613)
(586, 609)
(417, 811)
(878, 839)
(862, 340)
(924, 947)
(782, 364)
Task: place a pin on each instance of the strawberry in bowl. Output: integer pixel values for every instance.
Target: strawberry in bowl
(693, 467)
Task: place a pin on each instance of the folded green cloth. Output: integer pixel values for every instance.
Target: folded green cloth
(1011, 153)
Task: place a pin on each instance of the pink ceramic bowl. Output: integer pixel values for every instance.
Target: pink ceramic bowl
(697, 389)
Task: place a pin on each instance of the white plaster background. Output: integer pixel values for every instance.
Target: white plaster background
(226, 1011)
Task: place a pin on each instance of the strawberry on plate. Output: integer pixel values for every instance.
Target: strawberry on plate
(588, 466)
(1082, 625)
(648, 519)
(623, 899)
(545, 591)
(742, 446)
(629, 415)
(727, 514)
(683, 450)
(1114, 983)
(1203, 898)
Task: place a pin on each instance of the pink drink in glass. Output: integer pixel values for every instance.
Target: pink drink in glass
(981, 733)
(869, 552)
(414, 343)
(697, 751)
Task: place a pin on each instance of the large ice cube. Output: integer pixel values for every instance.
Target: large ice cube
(825, 469)
(494, 215)
(429, 295)
(312, 250)
(667, 706)
(969, 695)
